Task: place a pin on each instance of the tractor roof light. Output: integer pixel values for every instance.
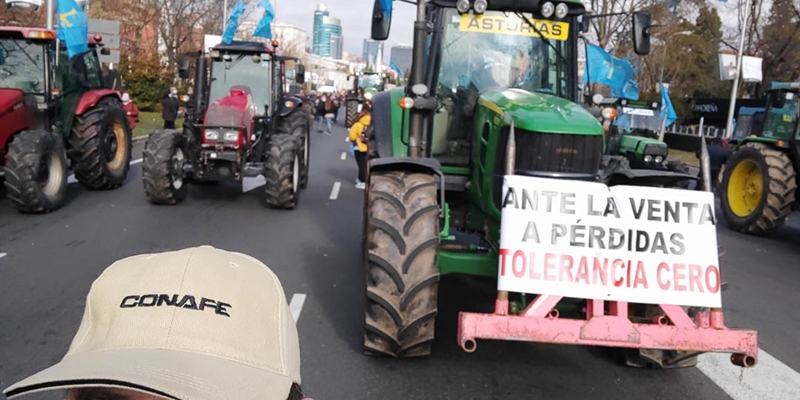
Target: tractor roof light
(597, 98)
(609, 113)
(462, 6)
(41, 35)
(624, 102)
(226, 57)
(561, 10)
(406, 103)
(275, 43)
(655, 104)
(480, 6)
(548, 9)
(98, 38)
(214, 54)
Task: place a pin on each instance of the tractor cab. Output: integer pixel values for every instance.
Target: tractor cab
(371, 82)
(782, 113)
(632, 132)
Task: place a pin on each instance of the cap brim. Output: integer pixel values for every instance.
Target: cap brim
(165, 373)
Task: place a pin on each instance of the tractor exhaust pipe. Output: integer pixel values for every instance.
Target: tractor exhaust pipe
(705, 162)
(200, 85)
(501, 304)
(416, 119)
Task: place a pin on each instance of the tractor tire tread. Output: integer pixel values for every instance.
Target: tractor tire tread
(91, 169)
(22, 164)
(279, 171)
(156, 164)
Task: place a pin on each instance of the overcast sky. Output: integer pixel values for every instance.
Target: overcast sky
(356, 16)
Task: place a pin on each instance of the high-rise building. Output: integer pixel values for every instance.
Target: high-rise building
(370, 51)
(328, 39)
(401, 55)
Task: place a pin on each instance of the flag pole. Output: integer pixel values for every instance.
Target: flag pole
(735, 89)
(50, 12)
(224, 15)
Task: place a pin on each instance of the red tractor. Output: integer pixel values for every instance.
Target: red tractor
(240, 124)
(56, 114)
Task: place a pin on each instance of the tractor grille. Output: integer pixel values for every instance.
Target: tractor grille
(547, 152)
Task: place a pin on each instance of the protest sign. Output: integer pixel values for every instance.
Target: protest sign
(586, 240)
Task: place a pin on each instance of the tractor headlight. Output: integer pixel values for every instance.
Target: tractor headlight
(659, 159)
(480, 6)
(648, 158)
(548, 9)
(212, 135)
(561, 10)
(368, 96)
(231, 136)
(462, 6)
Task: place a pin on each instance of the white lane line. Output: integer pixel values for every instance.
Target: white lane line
(770, 379)
(252, 183)
(3, 255)
(137, 161)
(335, 191)
(296, 305)
(344, 155)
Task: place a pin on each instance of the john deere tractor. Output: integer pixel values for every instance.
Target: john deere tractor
(760, 180)
(365, 86)
(632, 132)
(482, 73)
(55, 115)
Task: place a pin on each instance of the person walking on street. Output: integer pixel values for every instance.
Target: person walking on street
(325, 110)
(195, 324)
(170, 108)
(358, 138)
(131, 109)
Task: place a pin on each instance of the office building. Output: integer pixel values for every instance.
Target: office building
(401, 55)
(328, 39)
(370, 51)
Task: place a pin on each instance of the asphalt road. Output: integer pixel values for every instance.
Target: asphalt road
(52, 259)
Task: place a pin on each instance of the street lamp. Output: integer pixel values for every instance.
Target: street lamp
(664, 57)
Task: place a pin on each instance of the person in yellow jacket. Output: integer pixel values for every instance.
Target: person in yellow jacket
(358, 140)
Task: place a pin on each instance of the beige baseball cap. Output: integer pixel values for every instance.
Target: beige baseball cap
(199, 323)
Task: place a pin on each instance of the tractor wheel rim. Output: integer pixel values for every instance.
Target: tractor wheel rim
(51, 174)
(115, 146)
(295, 174)
(745, 188)
(178, 161)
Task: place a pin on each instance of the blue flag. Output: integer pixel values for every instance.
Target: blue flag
(667, 111)
(73, 27)
(394, 68)
(614, 72)
(233, 22)
(264, 28)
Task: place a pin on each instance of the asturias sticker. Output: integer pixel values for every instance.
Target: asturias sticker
(512, 25)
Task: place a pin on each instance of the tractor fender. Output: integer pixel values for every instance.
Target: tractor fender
(422, 165)
(90, 98)
(289, 104)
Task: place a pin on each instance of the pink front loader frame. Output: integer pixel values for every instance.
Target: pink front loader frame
(540, 322)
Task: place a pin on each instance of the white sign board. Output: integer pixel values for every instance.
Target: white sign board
(751, 68)
(624, 243)
(210, 41)
(109, 30)
(638, 111)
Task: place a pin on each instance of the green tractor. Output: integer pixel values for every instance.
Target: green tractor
(633, 129)
(365, 86)
(492, 84)
(759, 182)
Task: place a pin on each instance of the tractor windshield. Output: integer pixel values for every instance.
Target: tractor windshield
(370, 82)
(22, 64)
(241, 70)
(500, 50)
(641, 119)
(782, 121)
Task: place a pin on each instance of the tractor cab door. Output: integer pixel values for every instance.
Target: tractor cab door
(72, 78)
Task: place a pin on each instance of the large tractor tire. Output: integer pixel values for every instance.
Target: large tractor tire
(104, 137)
(165, 155)
(758, 189)
(351, 109)
(402, 235)
(683, 168)
(297, 125)
(36, 172)
(282, 172)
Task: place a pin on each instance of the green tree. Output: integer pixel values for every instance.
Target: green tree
(780, 42)
(145, 80)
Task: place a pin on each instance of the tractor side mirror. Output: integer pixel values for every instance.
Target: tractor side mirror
(381, 19)
(183, 68)
(300, 73)
(584, 24)
(641, 32)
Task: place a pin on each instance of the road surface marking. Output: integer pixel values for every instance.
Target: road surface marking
(296, 305)
(335, 191)
(344, 155)
(251, 183)
(137, 161)
(3, 255)
(770, 379)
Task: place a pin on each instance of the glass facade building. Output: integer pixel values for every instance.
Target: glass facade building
(328, 39)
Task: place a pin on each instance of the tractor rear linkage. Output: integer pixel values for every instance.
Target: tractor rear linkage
(540, 321)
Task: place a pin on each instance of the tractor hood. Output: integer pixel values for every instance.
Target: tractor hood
(235, 110)
(9, 98)
(540, 112)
